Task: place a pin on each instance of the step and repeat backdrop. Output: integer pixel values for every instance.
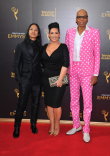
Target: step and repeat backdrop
(17, 15)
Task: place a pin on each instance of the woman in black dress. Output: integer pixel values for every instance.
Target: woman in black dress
(55, 58)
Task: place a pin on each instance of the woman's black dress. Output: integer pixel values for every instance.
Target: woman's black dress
(52, 67)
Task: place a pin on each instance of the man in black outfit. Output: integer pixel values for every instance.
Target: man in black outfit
(27, 58)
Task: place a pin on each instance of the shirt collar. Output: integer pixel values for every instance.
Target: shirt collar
(32, 42)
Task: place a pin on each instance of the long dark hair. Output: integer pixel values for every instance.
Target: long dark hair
(38, 39)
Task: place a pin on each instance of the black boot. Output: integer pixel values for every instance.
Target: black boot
(16, 132)
(34, 129)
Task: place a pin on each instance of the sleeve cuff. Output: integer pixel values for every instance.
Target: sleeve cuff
(95, 75)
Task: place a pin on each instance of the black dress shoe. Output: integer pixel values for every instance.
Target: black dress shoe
(34, 129)
(16, 132)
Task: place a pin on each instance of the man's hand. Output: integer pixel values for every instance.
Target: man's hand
(93, 80)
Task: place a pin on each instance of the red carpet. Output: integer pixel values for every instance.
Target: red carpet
(42, 144)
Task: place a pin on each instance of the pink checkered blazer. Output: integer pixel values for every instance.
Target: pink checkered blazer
(89, 51)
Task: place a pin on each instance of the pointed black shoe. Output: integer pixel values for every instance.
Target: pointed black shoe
(34, 129)
(16, 132)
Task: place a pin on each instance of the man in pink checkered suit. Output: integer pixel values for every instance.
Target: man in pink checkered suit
(84, 49)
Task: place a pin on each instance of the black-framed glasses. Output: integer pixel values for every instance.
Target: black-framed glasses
(79, 17)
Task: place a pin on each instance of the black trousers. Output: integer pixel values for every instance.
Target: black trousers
(24, 91)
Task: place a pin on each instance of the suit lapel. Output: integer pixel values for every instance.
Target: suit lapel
(30, 49)
(85, 39)
(72, 42)
(35, 56)
(73, 38)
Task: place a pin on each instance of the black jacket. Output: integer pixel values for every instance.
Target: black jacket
(27, 67)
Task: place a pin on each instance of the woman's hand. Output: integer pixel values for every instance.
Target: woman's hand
(61, 76)
(58, 82)
(67, 76)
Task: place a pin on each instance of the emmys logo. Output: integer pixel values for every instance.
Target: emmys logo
(12, 74)
(14, 112)
(104, 97)
(42, 94)
(16, 35)
(108, 32)
(105, 57)
(107, 76)
(105, 115)
(47, 112)
(15, 12)
(49, 13)
(107, 14)
(79, 114)
(46, 31)
(17, 92)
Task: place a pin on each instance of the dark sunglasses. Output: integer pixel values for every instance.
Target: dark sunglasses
(79, 17)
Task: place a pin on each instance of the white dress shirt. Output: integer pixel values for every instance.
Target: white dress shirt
(77, 45)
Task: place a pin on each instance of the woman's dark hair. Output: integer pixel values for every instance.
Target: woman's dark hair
(38, 39)
(53, 25)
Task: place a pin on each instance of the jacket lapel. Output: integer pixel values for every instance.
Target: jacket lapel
(72, 43)
(30, 49)
(35, 56)
(73, 38)
(86, 38)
